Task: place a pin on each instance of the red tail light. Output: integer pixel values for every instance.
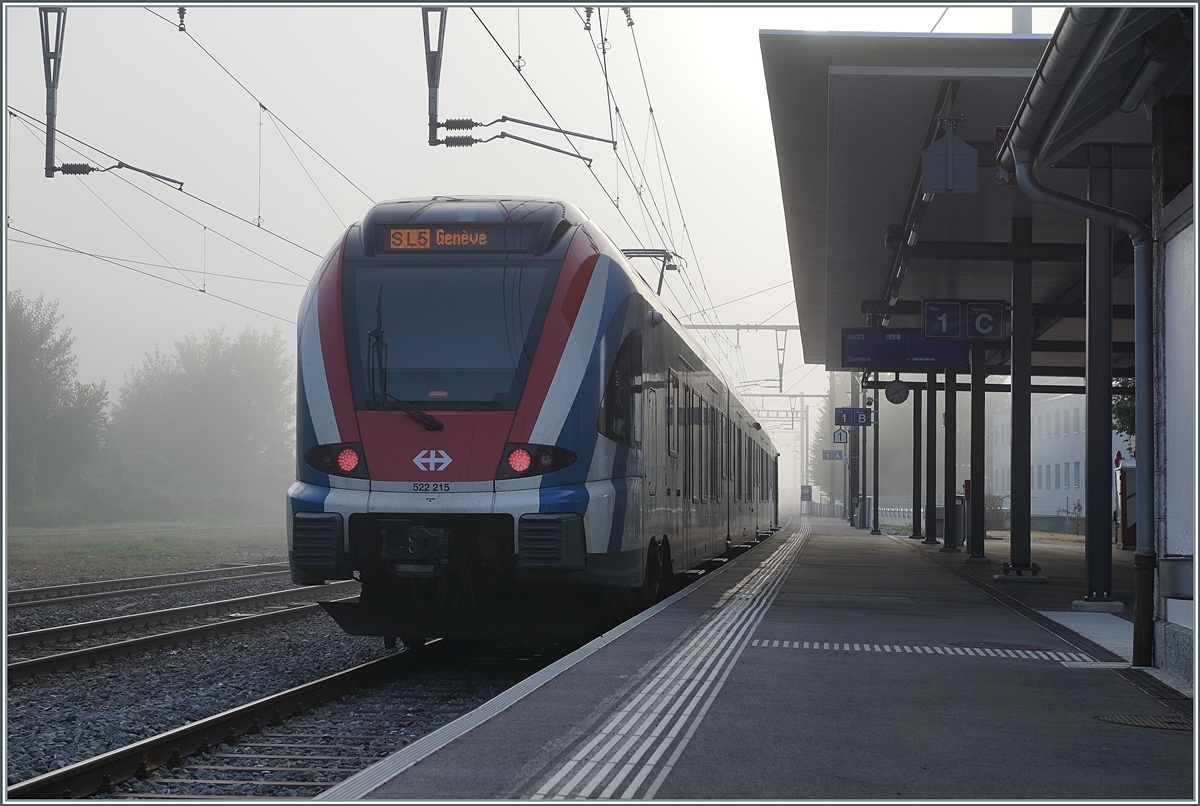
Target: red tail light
(520, 460)
(347, 460)
(341, 459)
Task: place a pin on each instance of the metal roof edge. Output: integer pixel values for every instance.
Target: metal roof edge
(900, 34)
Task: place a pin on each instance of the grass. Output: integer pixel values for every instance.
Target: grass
(46, 557)
(1061, 537)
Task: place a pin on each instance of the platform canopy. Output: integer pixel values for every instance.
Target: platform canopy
(851, 114)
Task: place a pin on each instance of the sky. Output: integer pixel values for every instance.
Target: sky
(266, 193)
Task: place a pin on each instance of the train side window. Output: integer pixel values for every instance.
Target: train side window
(714, 455)
(672, 413)
(737, 465)
(618, 407)
(695, 431)
(724, 446)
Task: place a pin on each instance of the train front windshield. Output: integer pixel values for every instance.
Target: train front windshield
(444, 336)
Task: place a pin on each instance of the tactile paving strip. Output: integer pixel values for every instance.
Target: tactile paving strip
(1145, 721)
(901, 649)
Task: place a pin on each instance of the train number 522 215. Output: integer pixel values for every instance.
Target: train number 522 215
(430, 487)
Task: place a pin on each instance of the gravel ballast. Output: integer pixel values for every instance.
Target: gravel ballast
(58, 720)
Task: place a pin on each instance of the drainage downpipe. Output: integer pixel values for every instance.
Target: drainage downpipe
(1144, 558)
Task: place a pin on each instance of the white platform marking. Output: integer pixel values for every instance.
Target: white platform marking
(1070, 659)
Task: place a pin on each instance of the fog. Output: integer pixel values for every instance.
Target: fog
(351, 83)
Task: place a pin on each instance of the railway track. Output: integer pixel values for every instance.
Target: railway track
(105, 653)
(303, 740)
(50, 636)
(161, 583)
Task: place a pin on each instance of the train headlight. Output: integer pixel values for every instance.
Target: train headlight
(520, 460)
(341, 459)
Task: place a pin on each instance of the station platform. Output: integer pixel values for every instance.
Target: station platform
(826, 663)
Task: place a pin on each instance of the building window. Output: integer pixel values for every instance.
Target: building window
(1076, 421)
(1039, 477)
(1057, 476)
(1056, 423)
(1077, 474)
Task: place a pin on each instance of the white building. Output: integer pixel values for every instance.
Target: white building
(1058, 453)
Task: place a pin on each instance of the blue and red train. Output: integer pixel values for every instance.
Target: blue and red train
(497, 419)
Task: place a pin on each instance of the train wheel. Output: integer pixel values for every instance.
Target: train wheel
(652, 584)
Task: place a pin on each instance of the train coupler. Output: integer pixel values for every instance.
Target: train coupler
(413, 551)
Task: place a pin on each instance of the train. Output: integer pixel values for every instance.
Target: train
(501, 430)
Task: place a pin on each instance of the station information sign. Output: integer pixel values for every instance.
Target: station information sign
(849, 416)
(805, 492)
(900, 349)
(963, 319)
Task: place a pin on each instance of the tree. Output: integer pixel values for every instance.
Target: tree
(1124, 413)
(56, 425)
(212, 422)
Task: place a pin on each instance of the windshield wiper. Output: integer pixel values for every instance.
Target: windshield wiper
(430, 422)
(377, 380)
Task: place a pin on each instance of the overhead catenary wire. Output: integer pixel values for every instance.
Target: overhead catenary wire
(87, 186)
(554, 120)
(658, 136)
(738, 299)
(306, 173)
(264, 106)
(155, 276)
(60, 133)
(669, 239)
(126, 260)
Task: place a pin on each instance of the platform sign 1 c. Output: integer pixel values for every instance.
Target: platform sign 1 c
(805, 492)
(963, 319)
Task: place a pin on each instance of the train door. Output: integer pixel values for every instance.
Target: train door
(672, 475)
(652, 519)
(687, 423)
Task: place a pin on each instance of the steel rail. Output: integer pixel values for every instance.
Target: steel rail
(117, 624)
(87, 777)
(83, 658)
(60, 592)
(139, 591)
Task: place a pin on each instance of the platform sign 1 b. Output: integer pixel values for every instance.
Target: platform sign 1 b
(851, 416)
(805, 492)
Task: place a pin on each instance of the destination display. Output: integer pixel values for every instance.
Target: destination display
(900, 349)
(455, 237)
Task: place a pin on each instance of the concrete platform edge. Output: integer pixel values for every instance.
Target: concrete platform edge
(359, 786)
